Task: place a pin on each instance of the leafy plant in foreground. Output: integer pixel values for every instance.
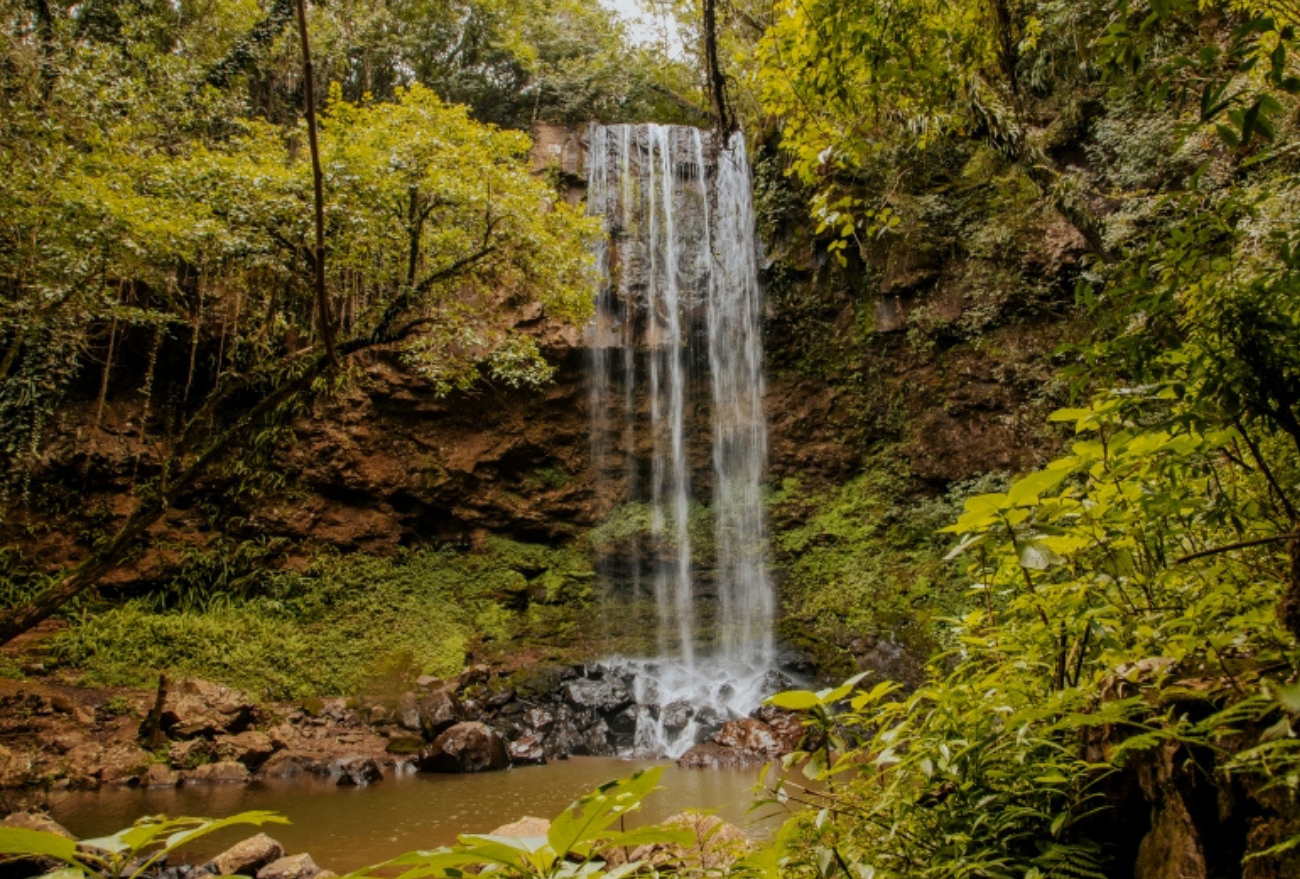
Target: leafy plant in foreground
(572, 847)
(127, 854)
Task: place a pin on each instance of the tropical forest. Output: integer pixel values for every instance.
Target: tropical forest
(708, 439)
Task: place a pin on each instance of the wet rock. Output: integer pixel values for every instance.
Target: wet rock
(676, 715)
(624, 723)
(440, 710)
(749, 734)
(247, 857)
(604, 696)
(711, 755)
(35, 821)
(539, 720)
(527, 751)
(526, 827)
(228, 772)
(466, 747)
(189, 753)
(198, 708)
(499, 699)
(289, 764)
(428, 682)
(249, 747)
(291, 867)
(356, 771)
(160, 775)
(407, 714)
(708, 720)
(787, 725)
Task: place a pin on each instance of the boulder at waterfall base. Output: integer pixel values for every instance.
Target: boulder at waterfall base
(466, 747)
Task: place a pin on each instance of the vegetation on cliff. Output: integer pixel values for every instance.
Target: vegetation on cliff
(1100, 656)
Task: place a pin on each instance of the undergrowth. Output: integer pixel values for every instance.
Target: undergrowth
(861, 566)
(345, 624)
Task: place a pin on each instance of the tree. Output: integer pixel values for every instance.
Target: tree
(137, 204)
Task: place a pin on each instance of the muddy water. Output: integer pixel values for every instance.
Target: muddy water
(348, 828)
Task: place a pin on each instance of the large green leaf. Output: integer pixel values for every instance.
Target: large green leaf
(581, 823)
(37, 843)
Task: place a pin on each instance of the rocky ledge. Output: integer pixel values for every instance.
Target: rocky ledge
(485, 719)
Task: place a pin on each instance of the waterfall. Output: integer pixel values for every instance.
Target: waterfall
(677, 337)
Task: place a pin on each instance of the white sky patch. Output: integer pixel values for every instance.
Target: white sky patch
(648, 27)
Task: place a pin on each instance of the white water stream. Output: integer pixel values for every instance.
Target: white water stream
(678, 333)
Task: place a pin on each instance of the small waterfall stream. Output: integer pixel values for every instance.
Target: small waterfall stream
(676, 351)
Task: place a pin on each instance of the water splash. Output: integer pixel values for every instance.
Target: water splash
(678, 326)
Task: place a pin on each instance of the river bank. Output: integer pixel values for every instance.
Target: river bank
(56, 738)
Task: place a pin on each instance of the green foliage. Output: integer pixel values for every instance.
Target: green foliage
(346, 624)
(127, 854)
(1130, 566)
(861, 563)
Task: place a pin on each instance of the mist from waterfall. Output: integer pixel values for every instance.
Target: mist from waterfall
(677, 335)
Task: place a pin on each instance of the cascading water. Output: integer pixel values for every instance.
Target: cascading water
(680, 297)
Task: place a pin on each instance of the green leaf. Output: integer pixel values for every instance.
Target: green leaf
(582, 822)
(795, 700)
(1026, 490)
(39, 843)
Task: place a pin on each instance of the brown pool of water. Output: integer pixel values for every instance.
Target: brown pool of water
(346, 828)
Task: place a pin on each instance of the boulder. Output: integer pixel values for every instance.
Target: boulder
(35, 821)
(466, 747)
(750, 734)
(677, 714)
(160, 775)
(197, 708)
(356, 771)
(407, 714)
(439, 710)
(527, 750)
(250, 747)
(190, 753)
(247, 857)
(786, 725)
(228, 772)
(715, 847)
(711, 755)
(538, 719)
(526, 827)
(291, 867)
(604, 696)
(288, 764)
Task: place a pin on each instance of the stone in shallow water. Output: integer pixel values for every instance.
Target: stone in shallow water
(711, 755)
(356, 771)
(244, 858)
(527, 750)
(292, 867)
(466, 747)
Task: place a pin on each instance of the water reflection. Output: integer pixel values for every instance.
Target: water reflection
(345, 828)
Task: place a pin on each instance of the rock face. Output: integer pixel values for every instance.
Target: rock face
(197, 708)
(466, 747)
(247, 857)
(711, 755)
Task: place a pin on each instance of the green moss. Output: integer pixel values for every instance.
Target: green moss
(863, 561)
